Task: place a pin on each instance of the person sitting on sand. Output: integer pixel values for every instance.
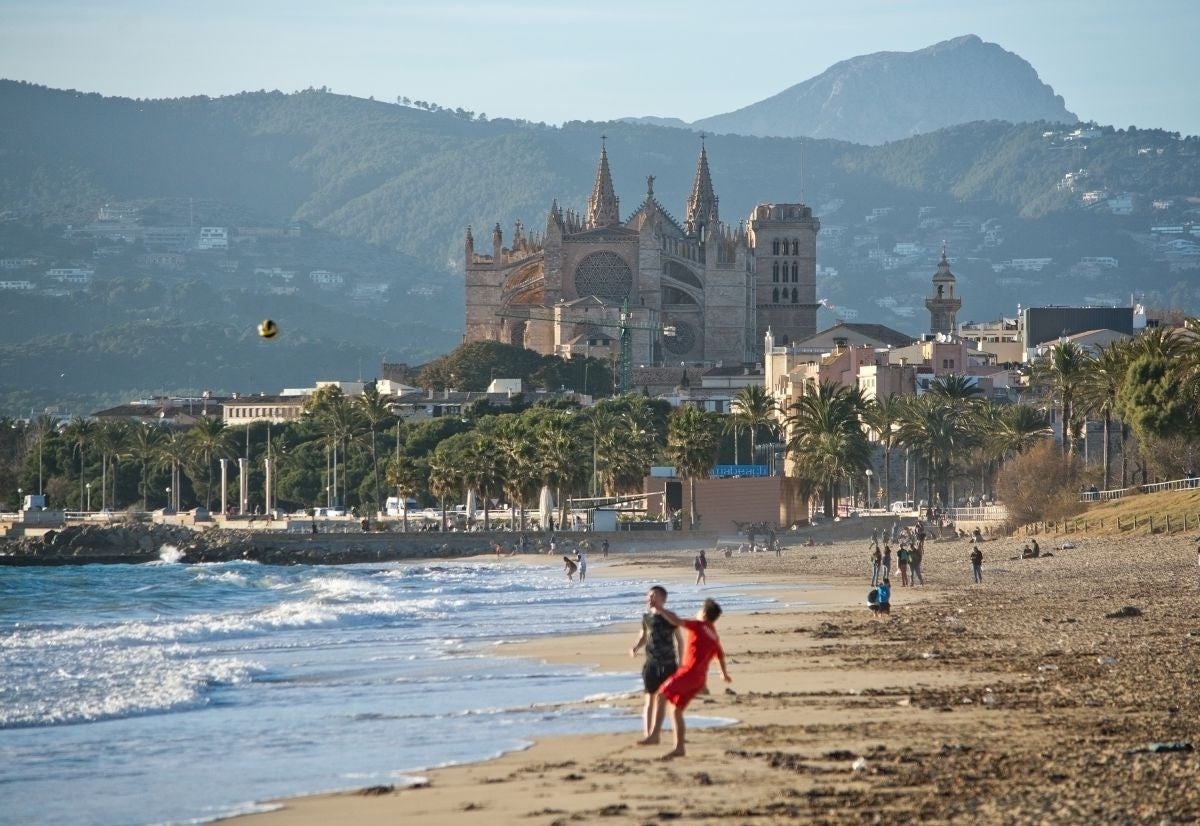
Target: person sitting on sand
(701, 645)
(570, 567)
(883, 603)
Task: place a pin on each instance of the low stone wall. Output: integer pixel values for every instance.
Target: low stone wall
(135, 543)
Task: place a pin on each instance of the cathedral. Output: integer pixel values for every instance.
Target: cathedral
(698, 291)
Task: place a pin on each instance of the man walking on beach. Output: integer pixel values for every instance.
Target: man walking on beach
(661, 640)
(701, 646)
(701, 565)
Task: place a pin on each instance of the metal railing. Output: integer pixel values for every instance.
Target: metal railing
(985, 513)
(1154, 487)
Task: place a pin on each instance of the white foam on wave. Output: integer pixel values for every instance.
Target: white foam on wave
(170, 554)
(106, 684)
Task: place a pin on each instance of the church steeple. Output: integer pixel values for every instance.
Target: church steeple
(604, 209)
(943, 306)
(702, 203)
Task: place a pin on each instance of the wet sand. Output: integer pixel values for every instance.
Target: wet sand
(1064, 689)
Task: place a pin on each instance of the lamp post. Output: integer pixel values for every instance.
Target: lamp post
(168, 492)
(20, 499)
(89, 496)
(869, 474)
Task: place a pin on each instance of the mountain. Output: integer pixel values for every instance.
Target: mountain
(383, 193)
(891, 95)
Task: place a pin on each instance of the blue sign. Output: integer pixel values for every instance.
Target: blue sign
(726, 471)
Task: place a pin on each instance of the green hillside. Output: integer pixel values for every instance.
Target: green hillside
(391, 188)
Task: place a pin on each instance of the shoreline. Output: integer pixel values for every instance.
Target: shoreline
(1035, 695)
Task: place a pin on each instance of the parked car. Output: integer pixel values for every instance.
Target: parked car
(903, 507)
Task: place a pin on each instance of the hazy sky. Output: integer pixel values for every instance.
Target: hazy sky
(1118, 63)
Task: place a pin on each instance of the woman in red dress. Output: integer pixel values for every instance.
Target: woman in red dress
(700, 646)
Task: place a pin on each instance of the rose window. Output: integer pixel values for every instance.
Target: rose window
(604, 275)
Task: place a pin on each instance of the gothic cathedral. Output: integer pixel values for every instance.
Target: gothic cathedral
(699, 292)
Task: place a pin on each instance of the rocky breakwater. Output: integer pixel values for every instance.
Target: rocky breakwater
(136, 543)
(125, 543)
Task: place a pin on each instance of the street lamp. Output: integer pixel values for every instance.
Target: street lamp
(168, 491)
(89, 496)
(869, 474)
(20, 499)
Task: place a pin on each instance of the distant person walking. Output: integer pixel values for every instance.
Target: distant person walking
(876, 561)
(701, 565)
(604, 549)
(581, 560)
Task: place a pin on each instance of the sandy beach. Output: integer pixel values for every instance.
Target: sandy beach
(1064, 689)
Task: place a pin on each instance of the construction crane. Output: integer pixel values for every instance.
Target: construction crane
(625, 325)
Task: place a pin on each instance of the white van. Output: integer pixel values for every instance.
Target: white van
(902, 507)
(395, 506)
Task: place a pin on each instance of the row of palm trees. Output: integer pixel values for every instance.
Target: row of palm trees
(1148, 387)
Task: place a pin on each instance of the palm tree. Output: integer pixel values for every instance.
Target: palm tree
(604, 422)
(1061, 372)
(560, 451)
(174, 451)
(210, 440)
(753, 408)
(883, 415)
(1098, 391)
(515, 443)
(826, 439)
(483, 471)
(693, 440)
(112, 439)
(405, 474)
(374, 410)
(80, 433)
(939, 433)
(445, 475)
(147, 441)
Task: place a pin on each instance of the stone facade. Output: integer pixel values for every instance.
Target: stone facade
(943, 305)
(699, 291)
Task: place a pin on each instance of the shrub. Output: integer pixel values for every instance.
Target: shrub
(1040, 484)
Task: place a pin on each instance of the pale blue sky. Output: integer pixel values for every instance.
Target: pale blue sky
(1119, 63)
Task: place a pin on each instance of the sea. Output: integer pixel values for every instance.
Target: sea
(180, 693)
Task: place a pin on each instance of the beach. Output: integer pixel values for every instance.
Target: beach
(1063, 689)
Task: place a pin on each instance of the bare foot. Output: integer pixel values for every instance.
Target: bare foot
(652, 740)
(671, 755)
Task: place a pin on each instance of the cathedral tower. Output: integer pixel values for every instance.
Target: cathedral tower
(943, 305)
(784, 238)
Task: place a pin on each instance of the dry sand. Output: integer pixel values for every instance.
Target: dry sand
(1062, 690)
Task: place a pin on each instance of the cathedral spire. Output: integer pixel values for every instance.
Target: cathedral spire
(702, 203)
(603, 207)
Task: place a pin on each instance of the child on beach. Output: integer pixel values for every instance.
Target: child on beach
(581, 561)
(883, 600)
(569, 566)
(701, 565)
(700, 647)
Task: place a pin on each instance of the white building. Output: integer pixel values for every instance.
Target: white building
(213, 238)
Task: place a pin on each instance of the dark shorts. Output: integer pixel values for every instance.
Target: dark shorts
(881, 607)
(655, 674)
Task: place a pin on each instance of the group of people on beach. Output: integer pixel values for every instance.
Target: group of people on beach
(909, 554)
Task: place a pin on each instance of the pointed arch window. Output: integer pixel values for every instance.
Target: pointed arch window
(795, 296)
(775, 272)
(795, 272)
(795, 247)
(775, 247)
(775, 296)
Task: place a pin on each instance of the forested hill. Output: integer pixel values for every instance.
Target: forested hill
(385, 192)
(413, 179)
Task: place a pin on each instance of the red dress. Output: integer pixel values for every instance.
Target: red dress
(701, 645)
